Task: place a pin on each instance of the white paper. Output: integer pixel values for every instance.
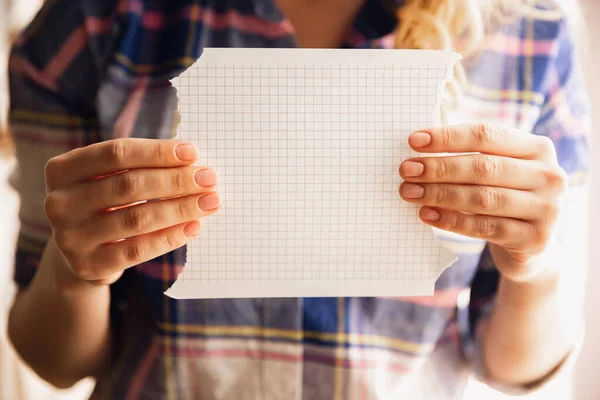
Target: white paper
(307, 145)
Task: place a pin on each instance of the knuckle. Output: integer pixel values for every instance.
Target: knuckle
(488, 227)
(562, 181)
(55, 208)
(171, 242)
(541, 235)
(448, 136)
(117, 152)
(82, 268)
(443, 195)
(454, 221)
(486, 198)
(52, 169)
(546, 145)
(556, 178)
(484, 133)
(134, 252)
(179, 181)
(485, 168)
(441, 169)
(135, 219)
(160, 151)
(549, 211)
(127, 184)
(183, 209)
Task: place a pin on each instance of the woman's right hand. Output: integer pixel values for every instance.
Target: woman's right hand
(98, 203)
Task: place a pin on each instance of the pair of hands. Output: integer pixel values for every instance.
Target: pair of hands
(102, 221)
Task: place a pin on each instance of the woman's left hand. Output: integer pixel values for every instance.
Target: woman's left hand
(508, 195)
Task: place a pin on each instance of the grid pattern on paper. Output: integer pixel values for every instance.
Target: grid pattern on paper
(308, 159)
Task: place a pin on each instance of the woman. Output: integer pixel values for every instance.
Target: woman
(89, 72)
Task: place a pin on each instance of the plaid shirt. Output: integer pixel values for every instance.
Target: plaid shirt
(86, 71)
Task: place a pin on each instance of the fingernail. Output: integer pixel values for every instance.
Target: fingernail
(186, 152)
(419, 139)
(412, 168)
(429, 214)
(412, 191)
(205, 177)
(209, 202)
(192, 229)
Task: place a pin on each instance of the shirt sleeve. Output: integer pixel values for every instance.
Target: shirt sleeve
(564, 118)
(55, 71)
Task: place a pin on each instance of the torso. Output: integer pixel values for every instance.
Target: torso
(320, 24)
(312, 349)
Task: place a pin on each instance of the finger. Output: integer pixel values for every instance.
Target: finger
(483, 138)
(481, 169)
(114, 156)
(149, 217)
(109, 280)
(140, 185)
(112, 258)
(476, 199)
(506, 232)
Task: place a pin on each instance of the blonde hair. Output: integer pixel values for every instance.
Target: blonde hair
(461, 26)
(14, 16)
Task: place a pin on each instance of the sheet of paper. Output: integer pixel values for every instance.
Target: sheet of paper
(307, 145)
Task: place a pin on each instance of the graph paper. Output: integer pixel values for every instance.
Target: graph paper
(307, 145)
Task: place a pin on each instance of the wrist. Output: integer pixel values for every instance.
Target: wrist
(543, 284)
(55, 271)
(542, 296)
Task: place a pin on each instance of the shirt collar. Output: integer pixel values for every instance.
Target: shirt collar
(268, 10)
(373, 23)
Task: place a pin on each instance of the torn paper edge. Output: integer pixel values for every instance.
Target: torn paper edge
(182, 290)
(223, 56)
(368, 57)
(448, 258)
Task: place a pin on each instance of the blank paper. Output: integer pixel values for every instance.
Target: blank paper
(307, 145)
